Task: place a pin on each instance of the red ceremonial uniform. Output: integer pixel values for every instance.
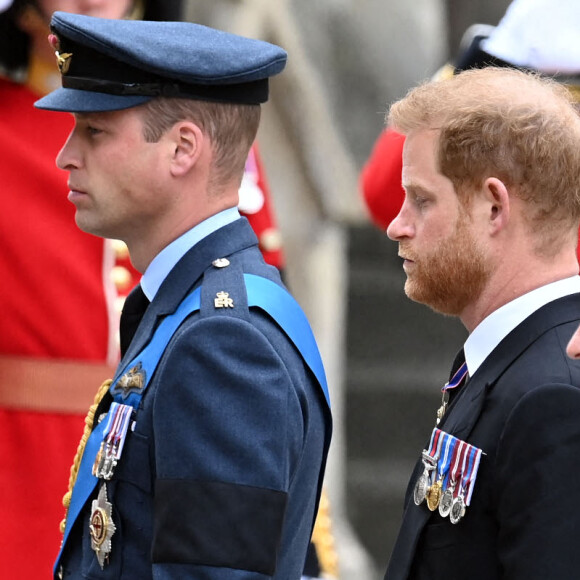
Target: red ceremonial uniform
(256, 205)
(58, 331)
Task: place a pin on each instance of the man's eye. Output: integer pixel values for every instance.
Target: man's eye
(92, 131)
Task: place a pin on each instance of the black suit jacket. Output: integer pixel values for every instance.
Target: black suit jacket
(522, 408)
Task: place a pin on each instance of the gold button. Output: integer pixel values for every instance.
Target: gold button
(121, 277)
(121, 250)
(271, 240)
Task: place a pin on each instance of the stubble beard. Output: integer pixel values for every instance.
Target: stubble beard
(451, 277)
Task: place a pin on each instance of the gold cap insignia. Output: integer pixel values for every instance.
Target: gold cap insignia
(63, 60)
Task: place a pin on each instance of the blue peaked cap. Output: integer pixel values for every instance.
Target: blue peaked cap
(108, 65)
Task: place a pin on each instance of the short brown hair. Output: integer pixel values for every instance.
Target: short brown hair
(231, 128)
(504, 123)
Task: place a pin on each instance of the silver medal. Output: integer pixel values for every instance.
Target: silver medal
(445, 503)
(421, 487)
(457, 510)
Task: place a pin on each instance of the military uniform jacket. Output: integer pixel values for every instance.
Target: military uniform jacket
(522, 408)
(221, 476)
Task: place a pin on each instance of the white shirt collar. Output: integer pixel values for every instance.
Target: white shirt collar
(493, 329)
(164, 262)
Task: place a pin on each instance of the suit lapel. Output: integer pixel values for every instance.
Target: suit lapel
(466, 410)
(463, 416)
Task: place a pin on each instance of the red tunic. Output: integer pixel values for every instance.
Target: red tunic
(54, 306)
(256, 205)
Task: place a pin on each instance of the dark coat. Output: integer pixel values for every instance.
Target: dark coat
(522, 408)
(221, 476)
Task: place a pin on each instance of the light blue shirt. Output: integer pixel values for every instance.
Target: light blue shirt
(493, 329)
(165, 261)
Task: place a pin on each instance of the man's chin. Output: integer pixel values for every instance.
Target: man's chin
(89, 227)
(438, 304)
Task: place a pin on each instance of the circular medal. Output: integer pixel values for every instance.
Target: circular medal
(457, 510)
(421, 488)
(434, 496)
(445, 503)
(98, 527)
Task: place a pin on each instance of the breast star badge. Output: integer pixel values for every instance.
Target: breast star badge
(101, 526)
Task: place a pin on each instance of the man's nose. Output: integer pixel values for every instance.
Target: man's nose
(68, 157)
(401, 227)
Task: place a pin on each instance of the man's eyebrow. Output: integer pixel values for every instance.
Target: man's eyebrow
(414, 187)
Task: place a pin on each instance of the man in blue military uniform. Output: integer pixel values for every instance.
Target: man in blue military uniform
(204, 457)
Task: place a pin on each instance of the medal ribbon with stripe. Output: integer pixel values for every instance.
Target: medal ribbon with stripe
(456, 380)
(449, 442)
(471, 475)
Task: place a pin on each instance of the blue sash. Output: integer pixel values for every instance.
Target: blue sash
(262, 293)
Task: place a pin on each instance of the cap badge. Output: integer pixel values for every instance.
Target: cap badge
(62, 59)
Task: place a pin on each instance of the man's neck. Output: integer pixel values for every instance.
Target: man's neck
(505, 287)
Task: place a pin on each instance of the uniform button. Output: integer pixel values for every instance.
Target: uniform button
(221, 263)
(121, 250)
(121, 277)
(271, 240)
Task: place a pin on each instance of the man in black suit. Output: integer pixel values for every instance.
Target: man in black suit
(488, 232)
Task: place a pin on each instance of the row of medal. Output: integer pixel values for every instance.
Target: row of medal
(101, 526)
(114, 435)
(448, 478)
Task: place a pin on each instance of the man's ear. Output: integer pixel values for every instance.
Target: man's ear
(187, 140)
(498, 203)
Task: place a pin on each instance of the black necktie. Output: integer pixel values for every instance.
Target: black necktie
(459, 360)
(133, 311)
